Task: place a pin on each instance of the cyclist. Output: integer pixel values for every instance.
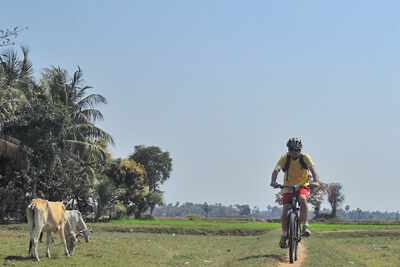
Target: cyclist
(295, 175)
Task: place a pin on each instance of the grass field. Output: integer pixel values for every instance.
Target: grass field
(197, 243)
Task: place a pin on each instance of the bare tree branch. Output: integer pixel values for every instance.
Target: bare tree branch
(5, 36)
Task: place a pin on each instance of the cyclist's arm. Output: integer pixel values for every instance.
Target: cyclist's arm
(315, 176)
(274, 176)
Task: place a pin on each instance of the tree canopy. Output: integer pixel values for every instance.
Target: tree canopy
(158, 164)
(49, 142)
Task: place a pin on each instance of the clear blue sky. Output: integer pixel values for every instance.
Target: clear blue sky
(222, 85)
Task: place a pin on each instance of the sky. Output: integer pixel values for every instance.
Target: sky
(222, 85)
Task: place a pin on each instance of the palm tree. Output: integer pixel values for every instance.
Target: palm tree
(82, 141)
(82, 134)
(105, 193)
(15, 70)
(358, 213)
(155, 198)
(24, 103)
(16, 78)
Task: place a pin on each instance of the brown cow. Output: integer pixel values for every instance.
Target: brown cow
(77, 223)
(46, 216)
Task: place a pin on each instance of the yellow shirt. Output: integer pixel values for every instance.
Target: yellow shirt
(296, 175)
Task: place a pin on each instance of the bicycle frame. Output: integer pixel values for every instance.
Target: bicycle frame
(294, 208)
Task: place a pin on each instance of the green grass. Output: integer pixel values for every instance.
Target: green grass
(360, 247)
(250, 224)
(353, 226)
(197, 223)
(197, 243)
(131, 248)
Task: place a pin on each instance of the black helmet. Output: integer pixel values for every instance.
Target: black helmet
(294, 143)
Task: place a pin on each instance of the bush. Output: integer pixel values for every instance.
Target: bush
(147, 217)
(193, 216)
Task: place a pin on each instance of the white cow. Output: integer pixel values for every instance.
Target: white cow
(77, 223)
(46, 216)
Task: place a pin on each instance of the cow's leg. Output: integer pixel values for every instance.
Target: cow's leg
(62, 235)
(35, 243)
(29, 214)
(48, 244)
(31, 246)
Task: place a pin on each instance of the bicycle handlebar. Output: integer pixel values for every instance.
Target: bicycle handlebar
(292, 186)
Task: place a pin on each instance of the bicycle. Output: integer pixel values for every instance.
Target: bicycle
(294, 233)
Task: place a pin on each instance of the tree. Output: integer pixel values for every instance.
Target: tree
(64, 118)
(105, 193)
(71, 91)
(15, 81)
(26, 122)
(132, 177)
(45, 126)
(7, 34)
(158, 164)
(279, 198)
(155, 198)
(245, 210)
(206, 208)
(316, 198)
(347, 208)
(358, 213)
(335, 197)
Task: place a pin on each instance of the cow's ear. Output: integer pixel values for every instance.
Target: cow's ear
(91, 231)
(79, 234)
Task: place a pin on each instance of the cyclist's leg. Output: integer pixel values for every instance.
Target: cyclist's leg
(285, 209)
(304, 214)
(283, 242)
(303, 208)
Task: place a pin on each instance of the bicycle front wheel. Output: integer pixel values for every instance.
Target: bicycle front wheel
(297, 237)
(292, 237)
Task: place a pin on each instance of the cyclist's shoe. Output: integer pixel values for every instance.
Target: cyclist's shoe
(306, 230)
(283, 243)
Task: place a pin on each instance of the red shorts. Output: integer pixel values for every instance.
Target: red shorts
(287, 197)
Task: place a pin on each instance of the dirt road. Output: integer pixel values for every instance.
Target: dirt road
(301, 256)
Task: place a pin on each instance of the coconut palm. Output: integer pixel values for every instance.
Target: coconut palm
(155, 198)
(49, 121)
(16, 78)
(82, 134)
(105, 193)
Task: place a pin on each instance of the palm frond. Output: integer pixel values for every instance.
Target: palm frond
(91, 132)
(77, 79)
(91, 101)
(26, 66)
(87, 151)
(92, 115)
(10, 150)
(81, 92)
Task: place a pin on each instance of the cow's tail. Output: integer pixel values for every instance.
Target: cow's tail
(30, 212)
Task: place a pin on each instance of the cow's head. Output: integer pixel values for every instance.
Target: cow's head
(85, 233)
(72, 240)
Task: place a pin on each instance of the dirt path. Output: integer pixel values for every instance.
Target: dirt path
(301, 256)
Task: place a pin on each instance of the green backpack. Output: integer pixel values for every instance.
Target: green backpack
(288, 158)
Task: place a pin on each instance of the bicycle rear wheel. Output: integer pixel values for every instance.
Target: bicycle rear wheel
(292, 237)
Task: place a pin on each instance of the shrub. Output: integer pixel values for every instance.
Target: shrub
(147, 217)
(193, 216)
